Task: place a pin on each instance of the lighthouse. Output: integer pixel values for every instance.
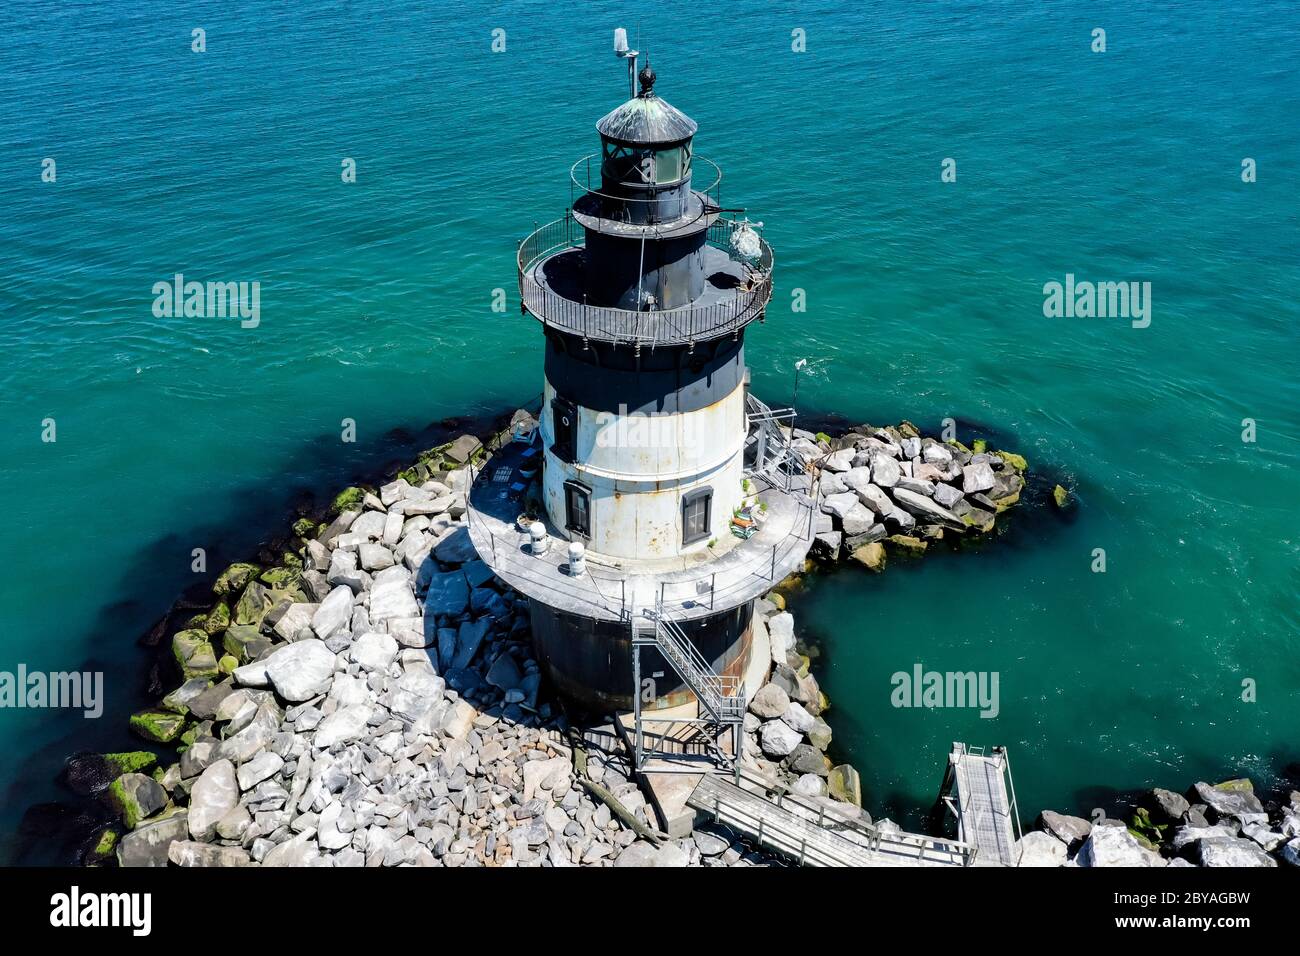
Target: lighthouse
(657, 498)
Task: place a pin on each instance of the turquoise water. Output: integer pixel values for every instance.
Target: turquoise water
(924, 301)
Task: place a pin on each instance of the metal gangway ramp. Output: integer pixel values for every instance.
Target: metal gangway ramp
(811, 834)
(977, 788)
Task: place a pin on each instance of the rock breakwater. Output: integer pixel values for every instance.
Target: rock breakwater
(371, 699)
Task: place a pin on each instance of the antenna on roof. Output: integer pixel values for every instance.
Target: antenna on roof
(621, 50)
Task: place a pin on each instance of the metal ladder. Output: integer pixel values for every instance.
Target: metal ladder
(721, 697)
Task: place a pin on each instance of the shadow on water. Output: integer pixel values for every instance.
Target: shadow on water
(159, 594)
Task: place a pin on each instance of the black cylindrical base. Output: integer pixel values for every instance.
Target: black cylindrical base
(590, 661)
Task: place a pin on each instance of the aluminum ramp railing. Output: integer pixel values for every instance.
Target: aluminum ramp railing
(810, 834)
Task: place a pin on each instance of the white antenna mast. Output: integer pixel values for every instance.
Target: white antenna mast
(621, 50)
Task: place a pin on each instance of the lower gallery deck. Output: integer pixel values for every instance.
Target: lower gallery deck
(689, 587)
(582, 623)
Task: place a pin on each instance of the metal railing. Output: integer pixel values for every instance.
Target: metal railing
(722, 695)
(606, 590)
(773, 454)
(766, 564)
(874, 837)
(1015, 808)
(838, 840)
(711, 192)
(686, 323)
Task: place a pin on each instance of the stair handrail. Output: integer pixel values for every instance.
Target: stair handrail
(716, 692)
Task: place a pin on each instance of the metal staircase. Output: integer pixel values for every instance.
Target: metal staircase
(768, 452)
(721, 700)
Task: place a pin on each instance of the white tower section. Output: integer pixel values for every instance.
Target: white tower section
(649, 477)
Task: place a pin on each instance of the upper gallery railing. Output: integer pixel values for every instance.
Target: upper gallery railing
(584, 178)
(687, 323)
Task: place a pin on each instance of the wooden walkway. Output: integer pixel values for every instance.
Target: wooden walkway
(812, 834)
(984, 808)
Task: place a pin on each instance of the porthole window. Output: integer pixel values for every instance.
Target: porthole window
(564, 426)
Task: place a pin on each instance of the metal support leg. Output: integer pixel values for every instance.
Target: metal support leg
(738, 746)
(636, 699)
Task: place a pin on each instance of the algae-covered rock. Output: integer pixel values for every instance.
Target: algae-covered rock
(87, 774)
(1060, 496)
(104, 847)
(161, 726)
(907, 544)
(194, 654)
(231, 580)
(979, 446)
(136, 797)
(1006, 501)
(870, 556)
(227, 664)
(253, 604)
(305, 528)
(133, 761)
(979, 519)
(281, 579)
(1149, 833)
(217, 620)
(1012, 460)
(349, 499)
(180, 699)
(245, 643)
(845, 784)
(820, 734)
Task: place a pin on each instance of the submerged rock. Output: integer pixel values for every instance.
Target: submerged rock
(844, 784)
(871, 556)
